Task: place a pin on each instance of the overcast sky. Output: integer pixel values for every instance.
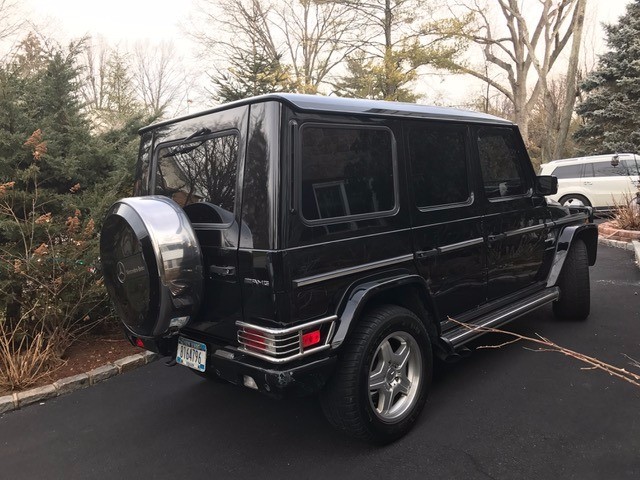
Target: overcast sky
(116, 20)
(125, 22)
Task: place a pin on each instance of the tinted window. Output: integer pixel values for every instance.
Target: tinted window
(199, 171)
(633, 166)
(605, 169)
(346, 171)
(438, 165)
(569, 171)
(501, 163)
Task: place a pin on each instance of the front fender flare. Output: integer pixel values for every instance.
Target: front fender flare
(588, 232)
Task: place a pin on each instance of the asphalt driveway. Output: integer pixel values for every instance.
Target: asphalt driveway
(503, 414)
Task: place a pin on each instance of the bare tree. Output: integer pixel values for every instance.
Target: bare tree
(524, 51)
(160, 78)
(107, 87)
(308, 37)
(398, 38)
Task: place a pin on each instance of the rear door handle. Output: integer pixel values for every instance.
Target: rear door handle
(222, 271)
(421, 254)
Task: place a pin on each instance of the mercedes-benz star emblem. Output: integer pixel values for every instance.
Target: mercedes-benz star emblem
(122, 272)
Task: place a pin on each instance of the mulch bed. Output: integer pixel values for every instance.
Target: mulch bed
(90, 352)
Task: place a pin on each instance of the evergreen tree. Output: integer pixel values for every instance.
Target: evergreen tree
(610, 109)
(250, 74)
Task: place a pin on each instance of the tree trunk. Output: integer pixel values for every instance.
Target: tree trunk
(572, 71)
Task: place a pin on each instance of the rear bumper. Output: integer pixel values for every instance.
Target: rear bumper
(305, 376)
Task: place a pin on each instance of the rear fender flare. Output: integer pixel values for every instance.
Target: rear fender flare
(357, 298)
(587, 232)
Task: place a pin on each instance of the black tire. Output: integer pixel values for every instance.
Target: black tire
(575, 295)
(575, 196)
(348, 401)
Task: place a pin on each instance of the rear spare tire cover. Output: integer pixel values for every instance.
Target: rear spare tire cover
(152, 265)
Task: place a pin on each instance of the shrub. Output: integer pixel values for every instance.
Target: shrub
(627, 214)
(50, 290)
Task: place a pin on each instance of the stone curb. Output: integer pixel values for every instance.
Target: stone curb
(636, 248)
(615, 243)
(15, 401)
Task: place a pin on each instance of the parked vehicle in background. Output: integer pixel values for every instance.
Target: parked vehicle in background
(600, 181)
(304, 244)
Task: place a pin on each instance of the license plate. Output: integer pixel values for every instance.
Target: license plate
(192, 354)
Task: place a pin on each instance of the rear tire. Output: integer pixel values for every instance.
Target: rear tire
(575, 295)
(384, 371)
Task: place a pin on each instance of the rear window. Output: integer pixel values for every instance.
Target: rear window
(438, 157)
(346, 171)
(202, 170)
(605, 169)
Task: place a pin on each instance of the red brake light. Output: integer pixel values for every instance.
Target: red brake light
(139, 342)
(311, 338)
(255, 340)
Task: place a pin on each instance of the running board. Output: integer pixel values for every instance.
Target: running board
(461, 335)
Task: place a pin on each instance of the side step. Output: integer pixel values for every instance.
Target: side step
(461, 335)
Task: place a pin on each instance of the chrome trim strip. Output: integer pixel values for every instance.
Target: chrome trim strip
(286, 359)
(468, 334)
(570, 219)
(531, 229)
(342, 272)
(284, 331)
(460, 245)
(300, 247)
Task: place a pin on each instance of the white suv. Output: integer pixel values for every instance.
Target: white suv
(601, 181)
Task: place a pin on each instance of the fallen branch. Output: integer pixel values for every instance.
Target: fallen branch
(546, 345)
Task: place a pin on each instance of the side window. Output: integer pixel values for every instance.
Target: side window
(199, 171)
(438, 157)
(633, 166)
(346, 171)
(569, 171)
(501, 163)
(605, 169)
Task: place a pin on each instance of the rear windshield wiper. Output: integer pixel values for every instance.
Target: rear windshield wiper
(181, 148)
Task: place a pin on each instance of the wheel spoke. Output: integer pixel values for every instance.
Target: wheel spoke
(377, 378)
(385, 400)
(386, 351)
(404, 386)
(401, 357)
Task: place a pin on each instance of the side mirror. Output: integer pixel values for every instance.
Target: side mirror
(546, 184)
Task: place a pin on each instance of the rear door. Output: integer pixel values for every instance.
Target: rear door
(447, 218)
(609, 183)
(199, 168)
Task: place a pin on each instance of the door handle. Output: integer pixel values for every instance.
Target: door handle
(496, 238)
(421, 254)
(222, 271)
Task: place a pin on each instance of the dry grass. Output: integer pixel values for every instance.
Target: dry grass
(25, 359)
(625, 217)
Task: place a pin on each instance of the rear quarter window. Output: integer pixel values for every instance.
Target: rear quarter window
(346, 171)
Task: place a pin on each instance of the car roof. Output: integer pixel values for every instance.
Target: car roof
(591, 159)
(323, 104)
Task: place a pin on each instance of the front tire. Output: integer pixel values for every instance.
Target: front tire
(575, 295)
(383, 376)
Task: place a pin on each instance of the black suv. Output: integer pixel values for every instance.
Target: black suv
(294, 243)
